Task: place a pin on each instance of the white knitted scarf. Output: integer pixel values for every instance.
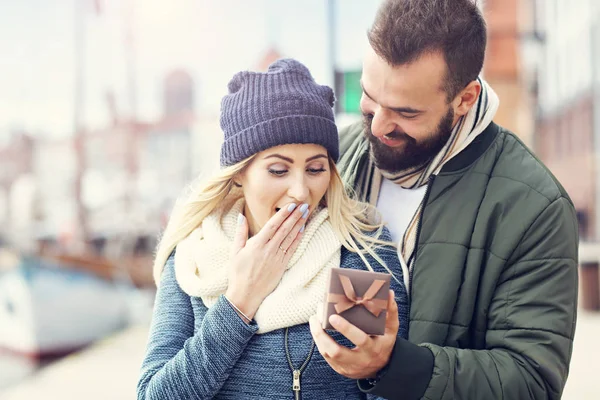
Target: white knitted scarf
(202, 260)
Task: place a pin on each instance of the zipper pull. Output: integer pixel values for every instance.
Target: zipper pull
(296, 384)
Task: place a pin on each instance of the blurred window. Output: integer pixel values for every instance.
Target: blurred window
(144, 245)
(582, 221)
(10, 307)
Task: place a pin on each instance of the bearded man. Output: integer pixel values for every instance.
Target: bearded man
(486, 235)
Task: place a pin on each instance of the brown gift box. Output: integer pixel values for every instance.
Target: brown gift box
(361, 297)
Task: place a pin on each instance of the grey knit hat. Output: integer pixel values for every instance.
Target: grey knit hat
(281, 106)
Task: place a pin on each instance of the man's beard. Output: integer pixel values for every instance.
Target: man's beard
(412, 154)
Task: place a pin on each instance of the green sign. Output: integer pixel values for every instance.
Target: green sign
(348, 91)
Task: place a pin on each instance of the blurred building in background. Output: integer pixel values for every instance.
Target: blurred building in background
(54, 171)
(504, 67)
(566, 81)
(268, 58)
(18, 192)
(133, 172)
(136, 169)
(543, 58)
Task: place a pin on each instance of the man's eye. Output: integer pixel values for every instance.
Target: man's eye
(410, 116)
(277, 172)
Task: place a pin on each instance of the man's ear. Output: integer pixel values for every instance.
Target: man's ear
(463, 102)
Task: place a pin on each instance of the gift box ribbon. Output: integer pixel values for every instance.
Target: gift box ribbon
(349, 299)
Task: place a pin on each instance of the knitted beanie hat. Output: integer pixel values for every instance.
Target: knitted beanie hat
(281, 106)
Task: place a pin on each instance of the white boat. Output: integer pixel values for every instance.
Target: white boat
(48, 310)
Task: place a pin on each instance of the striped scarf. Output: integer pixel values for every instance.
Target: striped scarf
(464, 132)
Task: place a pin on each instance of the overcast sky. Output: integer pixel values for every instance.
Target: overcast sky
(210, 39)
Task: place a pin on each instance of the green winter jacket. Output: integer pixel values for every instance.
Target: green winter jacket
(494, 287)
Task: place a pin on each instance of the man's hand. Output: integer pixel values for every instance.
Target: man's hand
(371, 353)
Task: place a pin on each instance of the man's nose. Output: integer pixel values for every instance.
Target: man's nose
(381, 124)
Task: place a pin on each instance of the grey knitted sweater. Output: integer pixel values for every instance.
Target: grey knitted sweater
(199, 353)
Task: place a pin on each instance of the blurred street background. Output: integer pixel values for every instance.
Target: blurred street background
(109, 108)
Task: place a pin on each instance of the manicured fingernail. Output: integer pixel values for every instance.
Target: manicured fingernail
(303, 208)
(305, 215)
(302, 229)
(292, 207)
(240, 219)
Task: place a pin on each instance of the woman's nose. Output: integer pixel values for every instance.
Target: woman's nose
(298, 190)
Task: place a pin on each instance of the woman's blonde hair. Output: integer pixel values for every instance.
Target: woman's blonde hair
(349, 218)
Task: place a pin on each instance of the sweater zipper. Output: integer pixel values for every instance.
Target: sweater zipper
(296, 373)
(414, 260)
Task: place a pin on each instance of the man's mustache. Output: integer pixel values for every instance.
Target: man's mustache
(399, 135)
(368, 119)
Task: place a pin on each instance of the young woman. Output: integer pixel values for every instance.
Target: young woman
(244, 261)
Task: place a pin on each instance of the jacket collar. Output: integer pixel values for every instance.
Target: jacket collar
(473, 151)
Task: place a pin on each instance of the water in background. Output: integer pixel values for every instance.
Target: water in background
(138, 306)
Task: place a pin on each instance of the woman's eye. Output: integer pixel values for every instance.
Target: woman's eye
(277, 172)
(316, 171)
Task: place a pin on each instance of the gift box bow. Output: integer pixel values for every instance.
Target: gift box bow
(349, 299)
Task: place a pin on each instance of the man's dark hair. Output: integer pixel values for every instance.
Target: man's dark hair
(404, 30)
